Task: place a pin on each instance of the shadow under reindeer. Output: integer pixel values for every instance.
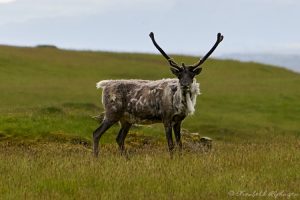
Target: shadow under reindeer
(192, 142)
(135, 142)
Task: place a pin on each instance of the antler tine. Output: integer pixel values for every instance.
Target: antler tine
(201, 61)
(170, 60)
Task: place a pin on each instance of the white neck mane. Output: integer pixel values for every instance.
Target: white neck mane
(191, 99)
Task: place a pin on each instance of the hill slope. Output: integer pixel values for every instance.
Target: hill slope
(48, 91)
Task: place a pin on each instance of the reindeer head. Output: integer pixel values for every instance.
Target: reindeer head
(186, 73)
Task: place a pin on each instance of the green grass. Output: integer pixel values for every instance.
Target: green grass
(48, 98)
(62, 171)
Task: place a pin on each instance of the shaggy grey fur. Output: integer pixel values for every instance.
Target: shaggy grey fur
(143, 102)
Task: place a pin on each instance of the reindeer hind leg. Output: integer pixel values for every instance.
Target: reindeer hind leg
(106, 124)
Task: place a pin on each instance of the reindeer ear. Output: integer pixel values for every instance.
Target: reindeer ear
(197, 70)
(175, 71)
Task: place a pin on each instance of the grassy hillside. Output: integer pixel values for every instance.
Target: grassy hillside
(48, 96)
(46, 90)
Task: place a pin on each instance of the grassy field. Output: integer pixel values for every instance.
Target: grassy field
(48, 98)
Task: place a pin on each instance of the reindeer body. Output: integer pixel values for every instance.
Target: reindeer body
(147, 102)
(167, 101)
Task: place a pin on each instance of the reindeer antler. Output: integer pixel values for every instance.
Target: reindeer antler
(194, 66)
(201, 61)
(170, 60)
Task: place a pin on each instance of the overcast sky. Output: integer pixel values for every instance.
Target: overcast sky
(181, 26)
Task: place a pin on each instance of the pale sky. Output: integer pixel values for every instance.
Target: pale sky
(180, 26)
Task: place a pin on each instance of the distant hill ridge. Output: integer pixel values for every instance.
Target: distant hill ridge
(289, 61)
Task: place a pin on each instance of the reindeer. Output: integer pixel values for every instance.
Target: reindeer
(166, 101)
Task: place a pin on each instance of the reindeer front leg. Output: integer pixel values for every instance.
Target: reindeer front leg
(176, 128)
(168, 130)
